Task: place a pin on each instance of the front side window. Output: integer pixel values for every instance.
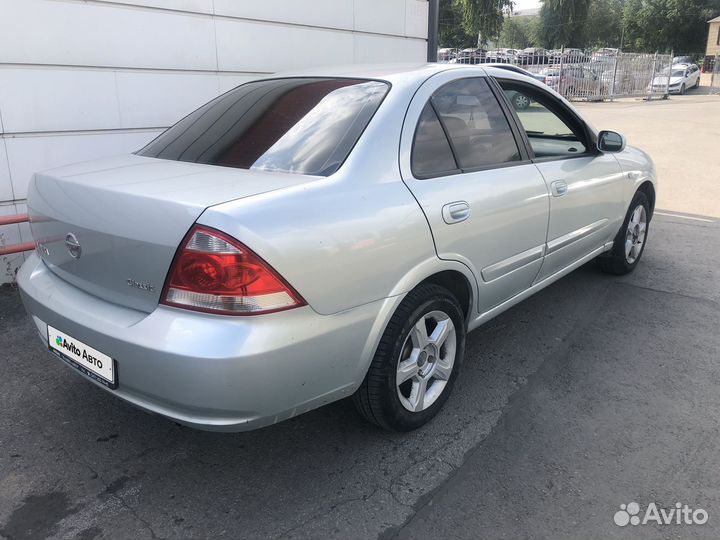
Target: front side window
(297, 125)
(551, 134)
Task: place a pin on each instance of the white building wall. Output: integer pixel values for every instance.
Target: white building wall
(82, 79)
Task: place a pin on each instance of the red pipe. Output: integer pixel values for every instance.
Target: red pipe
(17, 248)
(15, 218)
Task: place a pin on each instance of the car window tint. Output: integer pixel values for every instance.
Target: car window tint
(548, 132)
(298, 125)
(431, 153)
(475, 123)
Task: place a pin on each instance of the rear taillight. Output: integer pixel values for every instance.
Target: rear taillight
(215, 273)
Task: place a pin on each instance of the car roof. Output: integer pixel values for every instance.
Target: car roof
(409, 74)
(391, 73)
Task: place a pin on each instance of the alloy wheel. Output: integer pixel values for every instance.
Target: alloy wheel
(521, 101)
(426, 361)
(635, 235)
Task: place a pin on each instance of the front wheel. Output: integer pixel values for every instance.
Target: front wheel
(416, 362)
(682, 89)
(629, 243)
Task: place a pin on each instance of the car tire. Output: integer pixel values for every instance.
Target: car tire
(404, 350)
(629, 243)
(520, 101)
(697, 83)
(682, 89)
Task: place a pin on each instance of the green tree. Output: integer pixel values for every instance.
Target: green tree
(519, 32)
(665, 25)
(604, 25)
(451, 27)
(563, 22)
(484, 17)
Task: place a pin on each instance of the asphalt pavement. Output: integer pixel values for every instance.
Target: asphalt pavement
(596, 392)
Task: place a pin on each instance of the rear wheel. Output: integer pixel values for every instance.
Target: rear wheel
(629, 243)
(416, 363)
(697, 83)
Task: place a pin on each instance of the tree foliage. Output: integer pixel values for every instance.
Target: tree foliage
(665, 25)
(563, 22)
(519, 32)
(604, 24)
(642, 25)
(484, 18)
(451, 26)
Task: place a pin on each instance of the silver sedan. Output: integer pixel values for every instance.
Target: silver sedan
(306, 238)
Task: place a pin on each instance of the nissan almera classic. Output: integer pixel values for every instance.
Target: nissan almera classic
(335, 233)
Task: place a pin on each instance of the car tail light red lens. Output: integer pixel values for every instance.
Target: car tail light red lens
(215, 273)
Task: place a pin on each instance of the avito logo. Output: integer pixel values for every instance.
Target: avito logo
(682, 514)
(67, 345)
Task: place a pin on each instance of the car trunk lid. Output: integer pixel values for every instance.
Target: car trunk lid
(112, 227)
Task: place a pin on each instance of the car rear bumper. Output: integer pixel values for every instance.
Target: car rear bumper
(219, 373)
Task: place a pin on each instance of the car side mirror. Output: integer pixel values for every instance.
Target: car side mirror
(610, 141)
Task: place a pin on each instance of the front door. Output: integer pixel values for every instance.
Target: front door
(585, 185)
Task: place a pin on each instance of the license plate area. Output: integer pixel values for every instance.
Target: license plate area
(89, 361)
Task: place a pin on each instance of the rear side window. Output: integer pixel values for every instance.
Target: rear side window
(297, 125)
(478, 130)
(431, 153)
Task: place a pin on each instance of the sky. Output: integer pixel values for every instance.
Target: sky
(526, 4)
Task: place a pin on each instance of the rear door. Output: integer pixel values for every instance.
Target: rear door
(486, 203)
(586, 186)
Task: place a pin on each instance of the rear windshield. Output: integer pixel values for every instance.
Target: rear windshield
(298, 125)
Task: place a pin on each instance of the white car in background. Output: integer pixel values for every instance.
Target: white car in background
(682, 77)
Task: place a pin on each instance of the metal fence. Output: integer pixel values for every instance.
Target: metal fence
(582, 75)
(715, 76)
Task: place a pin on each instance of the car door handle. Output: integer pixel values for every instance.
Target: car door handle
(455, 212)
(558, 188)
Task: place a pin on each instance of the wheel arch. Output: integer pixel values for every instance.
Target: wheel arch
(457, 283)
(452, 275)
(649, 190)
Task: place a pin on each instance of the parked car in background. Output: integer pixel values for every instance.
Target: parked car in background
(518, 100)
(575, 81)
(532, 56)
(446, 54)
(605, 52)
(469, 56)
(683, 60)
(682, 77)
(302, 239)
(567, 56)
(501, 56)
(574, 56)
(602, 64)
